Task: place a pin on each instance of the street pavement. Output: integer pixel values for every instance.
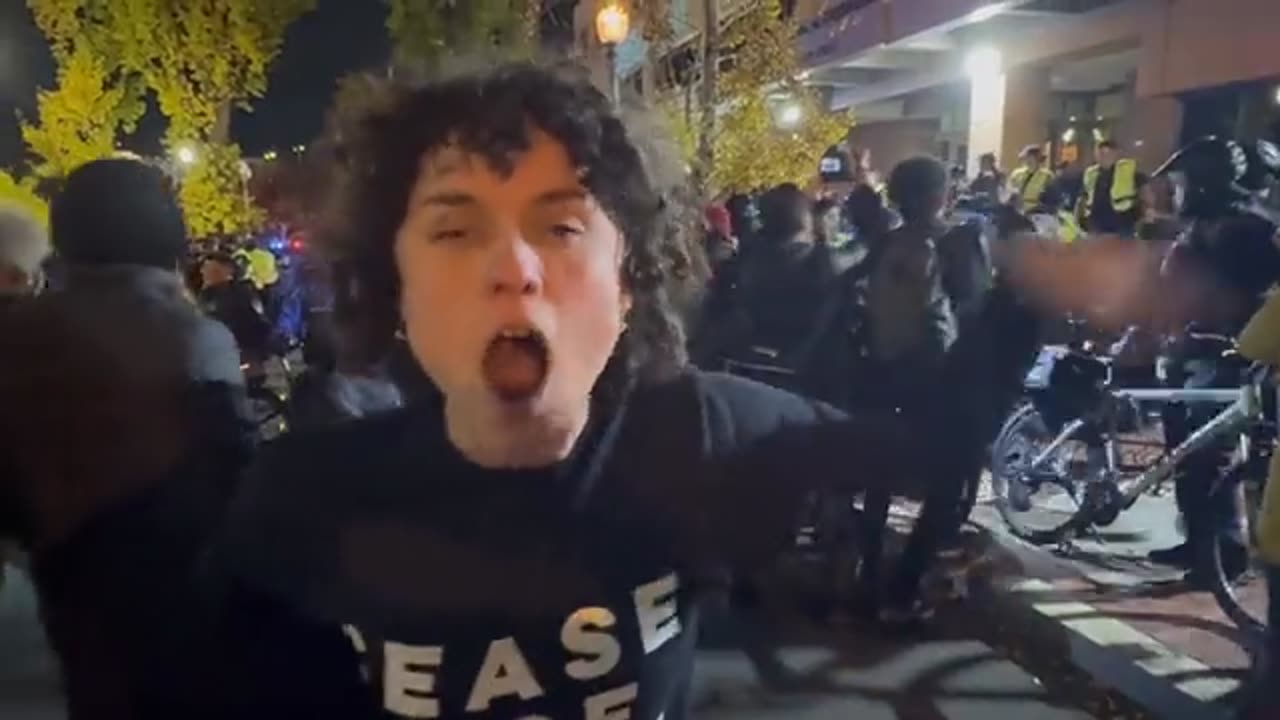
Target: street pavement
(1131, 623)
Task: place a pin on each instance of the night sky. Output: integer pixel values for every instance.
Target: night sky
(338, 37)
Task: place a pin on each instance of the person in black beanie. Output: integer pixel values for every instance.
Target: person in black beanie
(122, 417)
(118, 212)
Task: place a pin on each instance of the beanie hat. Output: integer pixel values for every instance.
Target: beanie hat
(118, 211)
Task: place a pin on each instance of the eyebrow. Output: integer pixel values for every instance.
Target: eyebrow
(448, 199)
(552, 197)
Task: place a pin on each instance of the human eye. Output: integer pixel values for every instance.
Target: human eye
(448, 234)
(567, 230)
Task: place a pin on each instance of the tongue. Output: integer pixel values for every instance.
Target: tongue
(514, 369)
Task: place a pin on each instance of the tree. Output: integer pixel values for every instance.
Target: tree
(760, 125)
(424, 31)
(22, 194)
(215, 194)
(203, 59)
(95, 99)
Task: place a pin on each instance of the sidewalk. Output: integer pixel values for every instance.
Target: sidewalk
(1132, 624)
(870, 677)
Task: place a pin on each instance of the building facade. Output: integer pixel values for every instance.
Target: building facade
(1148, 74)
(1068, 73)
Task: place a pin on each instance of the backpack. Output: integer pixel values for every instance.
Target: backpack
(837, 354)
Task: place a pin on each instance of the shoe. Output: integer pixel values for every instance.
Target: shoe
(1182, 556)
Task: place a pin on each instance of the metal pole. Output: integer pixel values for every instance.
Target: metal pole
(611, 54)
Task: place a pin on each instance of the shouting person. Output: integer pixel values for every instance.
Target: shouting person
(538, 543)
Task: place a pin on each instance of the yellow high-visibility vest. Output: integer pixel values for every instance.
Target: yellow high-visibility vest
(260, 267)
(1124, 186)
(1068, 228)
(1026, 187)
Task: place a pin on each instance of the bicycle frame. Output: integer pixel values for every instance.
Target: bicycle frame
(1244, 408)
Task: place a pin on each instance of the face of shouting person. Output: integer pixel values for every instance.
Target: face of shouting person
(511, 297)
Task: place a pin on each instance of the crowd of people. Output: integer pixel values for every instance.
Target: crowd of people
(531, 525)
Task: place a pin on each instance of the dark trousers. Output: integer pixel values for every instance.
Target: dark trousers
(944, 509)
(1208, 508)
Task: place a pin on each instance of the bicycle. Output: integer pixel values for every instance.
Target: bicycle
(1102, 486)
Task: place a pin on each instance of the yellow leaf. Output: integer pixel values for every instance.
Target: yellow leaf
(22, 194)
(215, 197)
(749, 149)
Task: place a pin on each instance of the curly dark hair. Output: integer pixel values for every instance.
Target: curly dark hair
(918, 186)
(491, 112)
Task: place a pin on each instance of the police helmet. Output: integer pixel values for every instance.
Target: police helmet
(1264, 166)
(1210, 174)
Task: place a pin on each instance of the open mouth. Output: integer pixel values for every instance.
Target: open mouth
(516, 363)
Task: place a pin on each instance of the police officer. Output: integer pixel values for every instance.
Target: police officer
(1216, 274)
(259, 265)
(1029, 181)
(1112, 201)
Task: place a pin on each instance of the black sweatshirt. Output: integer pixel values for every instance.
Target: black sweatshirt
(372, 570)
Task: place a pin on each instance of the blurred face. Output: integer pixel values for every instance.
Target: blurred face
(213, 272)
(1032, 162)
(1106, 156)
(511, 291)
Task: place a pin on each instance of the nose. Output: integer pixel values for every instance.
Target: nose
(515, 267)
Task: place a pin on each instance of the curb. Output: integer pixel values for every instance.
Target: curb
(1115, 654)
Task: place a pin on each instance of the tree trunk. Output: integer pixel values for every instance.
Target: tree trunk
(221, 132)
(707, 98)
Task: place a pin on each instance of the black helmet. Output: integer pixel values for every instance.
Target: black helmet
(1212, 174)
(1264, 166)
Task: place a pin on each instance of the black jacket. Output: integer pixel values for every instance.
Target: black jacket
(122, 426)
(237, 305)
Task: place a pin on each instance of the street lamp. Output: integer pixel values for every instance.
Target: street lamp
(612, 26)
(790, 115)
(185, 155)
(983, 63)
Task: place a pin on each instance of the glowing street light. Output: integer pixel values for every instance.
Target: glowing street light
(790, 115)
(612, 25)
(984, 63)
(185, 155)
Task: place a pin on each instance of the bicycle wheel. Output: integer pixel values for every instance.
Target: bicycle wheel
(1039, 508)
(1242, 599)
